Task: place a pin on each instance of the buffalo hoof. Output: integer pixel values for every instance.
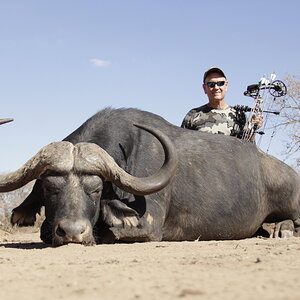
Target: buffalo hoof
(285, 234)
(22, 216)
(284, 229)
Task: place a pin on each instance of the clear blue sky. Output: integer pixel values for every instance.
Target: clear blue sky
(62, 61)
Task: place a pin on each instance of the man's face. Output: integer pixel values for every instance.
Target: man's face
(216, 93)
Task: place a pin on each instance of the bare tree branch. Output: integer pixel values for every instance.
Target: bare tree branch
(289, 118)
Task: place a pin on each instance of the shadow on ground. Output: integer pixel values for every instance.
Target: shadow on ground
(25, 245)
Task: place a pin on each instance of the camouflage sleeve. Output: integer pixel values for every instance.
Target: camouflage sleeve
(187, 121)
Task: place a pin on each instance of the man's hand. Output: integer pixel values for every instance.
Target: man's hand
(257, 119)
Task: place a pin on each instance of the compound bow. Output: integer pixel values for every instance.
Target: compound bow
(260, 92)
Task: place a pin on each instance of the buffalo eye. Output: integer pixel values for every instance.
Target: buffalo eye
(92, 184)
(52, 184)
(95, 191)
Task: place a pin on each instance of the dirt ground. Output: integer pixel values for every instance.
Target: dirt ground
(240, 269)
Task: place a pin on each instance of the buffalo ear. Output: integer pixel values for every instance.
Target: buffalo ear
(25, 213)
(117, 214)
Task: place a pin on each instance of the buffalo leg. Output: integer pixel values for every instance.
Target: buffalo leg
(25, 213)
(297, 227)
(126, 225)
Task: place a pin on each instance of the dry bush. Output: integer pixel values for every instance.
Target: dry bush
(289, 119)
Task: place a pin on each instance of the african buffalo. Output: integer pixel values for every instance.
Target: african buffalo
(223, 187)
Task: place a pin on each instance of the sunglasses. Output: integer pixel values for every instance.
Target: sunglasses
(212, 84)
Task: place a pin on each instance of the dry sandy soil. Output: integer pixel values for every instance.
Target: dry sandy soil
(240, 269)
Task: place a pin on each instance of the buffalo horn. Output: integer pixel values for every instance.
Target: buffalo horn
(62, 157)
(55, 157)
(3, 121)
(98, 161)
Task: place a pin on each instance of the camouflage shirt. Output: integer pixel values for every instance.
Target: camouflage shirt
(212, 120)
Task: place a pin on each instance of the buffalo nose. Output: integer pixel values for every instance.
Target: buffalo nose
(72, 231)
